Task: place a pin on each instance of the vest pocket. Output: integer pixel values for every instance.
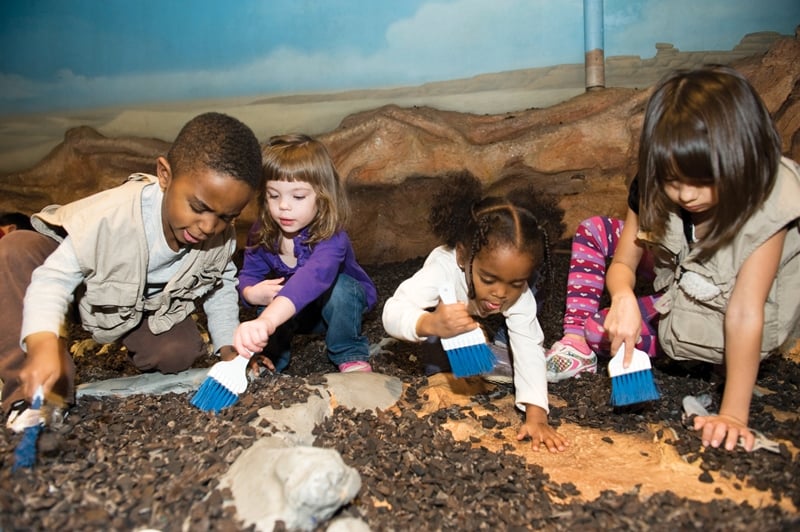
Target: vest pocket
(690, 332)
(106, 308)
(771, 336)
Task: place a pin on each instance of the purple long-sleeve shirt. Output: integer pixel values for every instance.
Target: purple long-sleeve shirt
(317, 268)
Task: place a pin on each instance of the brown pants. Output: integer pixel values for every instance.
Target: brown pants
(21, 252)
(169, 352)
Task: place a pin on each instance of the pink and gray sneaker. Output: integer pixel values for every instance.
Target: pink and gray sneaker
(565, 362)
(355, 365)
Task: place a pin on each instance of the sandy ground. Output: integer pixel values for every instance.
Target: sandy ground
(26, 139)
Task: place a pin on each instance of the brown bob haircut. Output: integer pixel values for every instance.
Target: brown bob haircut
(707, 127)
(299, 157)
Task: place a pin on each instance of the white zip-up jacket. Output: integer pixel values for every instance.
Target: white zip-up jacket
(421, 291)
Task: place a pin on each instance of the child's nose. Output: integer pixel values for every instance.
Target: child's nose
(500, 291)
(687, 193)
(208, 223)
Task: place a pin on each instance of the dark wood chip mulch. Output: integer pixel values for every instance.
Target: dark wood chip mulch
(154, 462)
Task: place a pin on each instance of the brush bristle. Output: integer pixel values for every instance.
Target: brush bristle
(221, 388)
(213, 396)
(25, 452)
(467, 352)
(471, 360)
(634, 384)
(632, 388)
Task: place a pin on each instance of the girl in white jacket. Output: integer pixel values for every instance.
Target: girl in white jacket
(492, 248)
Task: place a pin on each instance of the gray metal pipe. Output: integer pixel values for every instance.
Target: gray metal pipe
(594, 56)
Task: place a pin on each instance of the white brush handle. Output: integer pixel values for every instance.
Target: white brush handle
(232, 374)
(640, 361)
(447, 294)
(466, 339)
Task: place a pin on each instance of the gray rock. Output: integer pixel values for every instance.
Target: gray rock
(301, 486)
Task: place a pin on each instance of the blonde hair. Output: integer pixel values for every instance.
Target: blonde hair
(299, 157)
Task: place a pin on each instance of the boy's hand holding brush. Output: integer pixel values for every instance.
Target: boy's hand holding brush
(44, 360)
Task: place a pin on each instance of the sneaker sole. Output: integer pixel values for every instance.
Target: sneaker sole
(563, 377)
(498, 379)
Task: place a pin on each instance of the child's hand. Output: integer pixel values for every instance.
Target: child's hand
(452, 320)
(624, 324)
(263, 360)
(540, 432)
(42, 363)
(228, 352)
(719, 428)
(262, 294)
(252, 336)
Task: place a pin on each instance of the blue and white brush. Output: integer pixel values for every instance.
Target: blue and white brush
(634, 384)
(25, 452)
(467, 352)
(221, 388)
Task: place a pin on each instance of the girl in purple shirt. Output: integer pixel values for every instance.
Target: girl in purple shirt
(299, 268)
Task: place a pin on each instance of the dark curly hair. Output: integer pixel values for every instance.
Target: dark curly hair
(219, 142)
(462, 215)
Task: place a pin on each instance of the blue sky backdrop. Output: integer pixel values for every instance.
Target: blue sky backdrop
(90, 53)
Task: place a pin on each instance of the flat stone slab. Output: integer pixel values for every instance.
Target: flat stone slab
(146, 383)
(360, 391)
(364, 391)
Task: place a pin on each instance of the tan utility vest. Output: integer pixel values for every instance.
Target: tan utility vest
(696, 295)
(107, 232)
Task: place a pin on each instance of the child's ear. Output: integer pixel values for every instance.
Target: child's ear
(163, 172)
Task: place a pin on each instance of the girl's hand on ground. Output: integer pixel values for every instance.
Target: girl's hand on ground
(720, 428)
(539, 431)
(542, 433)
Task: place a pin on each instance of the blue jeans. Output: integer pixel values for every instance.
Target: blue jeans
(337, 314)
